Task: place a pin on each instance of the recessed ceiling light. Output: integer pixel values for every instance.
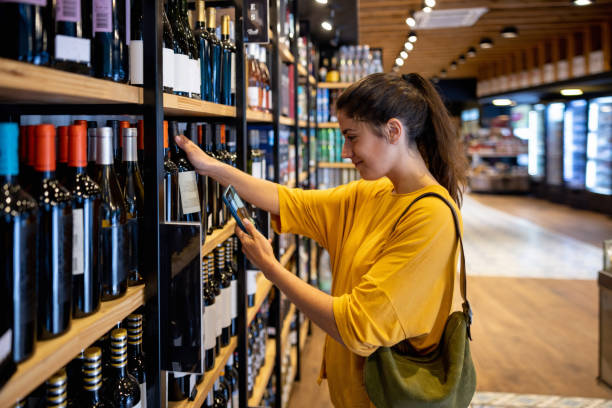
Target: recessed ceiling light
(321, 1)
(404, 54)
(430, 3)
(461, 59)
(582, 2)
(509, 32)
(411, 21)
(326, 25)
(412, 37)
(502, 102)
(443, 73)
(453, 65)
(471, 53)
(486, 43)
(408, 45)
(427, 9)
(399, 61)
(571, 92)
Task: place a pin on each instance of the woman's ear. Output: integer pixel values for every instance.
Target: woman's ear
(394, 130)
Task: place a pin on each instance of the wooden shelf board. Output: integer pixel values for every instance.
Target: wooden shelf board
(302, 70)
(285, 120)
(312, 80)
(335, 85)
(209, 378)
(264, 374)
(286, 257)
(183, 106)
(328, 125)
(285, 54)
(263, 289)
(303, 123)
(303, 177)
(303, 333)
(24, 83)
(218, 237)
(256, 116)
(51, 355)
(323, 165)
(287, 326)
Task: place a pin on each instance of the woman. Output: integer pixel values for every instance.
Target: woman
(392, 277)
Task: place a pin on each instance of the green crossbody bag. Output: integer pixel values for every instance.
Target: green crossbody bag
(398, 376)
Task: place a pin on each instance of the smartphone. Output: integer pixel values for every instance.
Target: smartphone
(236, 206)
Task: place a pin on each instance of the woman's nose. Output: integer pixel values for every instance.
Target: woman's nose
(347, 153)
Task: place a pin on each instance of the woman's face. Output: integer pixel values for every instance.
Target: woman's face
(370, 153)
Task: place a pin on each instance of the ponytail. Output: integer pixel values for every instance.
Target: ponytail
(415, 102)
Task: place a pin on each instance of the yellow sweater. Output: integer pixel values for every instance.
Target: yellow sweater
(386, 287)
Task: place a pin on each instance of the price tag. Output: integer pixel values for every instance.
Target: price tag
(190, 200)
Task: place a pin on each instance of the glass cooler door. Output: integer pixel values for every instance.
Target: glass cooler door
(574, 144)
(554, 144)
(599, 146)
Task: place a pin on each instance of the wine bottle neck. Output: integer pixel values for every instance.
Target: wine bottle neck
(46, 174)
(7, 179)
(135, 349)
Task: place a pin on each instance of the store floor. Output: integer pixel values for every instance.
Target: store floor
(532, 267)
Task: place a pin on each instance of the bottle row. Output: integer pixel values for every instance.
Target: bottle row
(329, 145)
(104, 39)
(351, 63)
(326, 104)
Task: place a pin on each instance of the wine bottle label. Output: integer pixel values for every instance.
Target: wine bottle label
(168, 67)
(251, 275)
(234, 299)
(181, 73)
(6, 344)
(227, 307)
(136, 64)
(233, 74)
(188, 189)
(253, 97)
(68, 10)
(72, 49)
(256, 169)
(143, 395)
(210, 220)
(197, 77)
(102, 16)
(78, 242)
(210, 327)
(219, 316)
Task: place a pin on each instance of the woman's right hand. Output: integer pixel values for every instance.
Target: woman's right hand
(202, 162)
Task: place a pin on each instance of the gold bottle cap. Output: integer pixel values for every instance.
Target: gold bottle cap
(119, 334)
(201, 9)
(225, 24)
(93, 353)
(211, 17)
(58, 378)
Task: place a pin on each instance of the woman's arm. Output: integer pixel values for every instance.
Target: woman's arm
(261, 193)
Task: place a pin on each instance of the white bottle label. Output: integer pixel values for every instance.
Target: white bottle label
(197, 77)
(72, 49)
(256, 169)
(596, 62)
(188, 188)
(253, 97)
(233, 75)
(251, 275)
(579, 66)
(181, 74)
(185, 73)
(549, 73)
(234, 299)
(6, 344)
(227, 312)
(143, 395)
(219, 314)
(78, 259)
(210, 220)
(210, 327)
(192, 76)
(168, 67)
(136, 64)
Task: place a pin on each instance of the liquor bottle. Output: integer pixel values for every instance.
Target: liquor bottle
(224, 278)
(115, 125)
(233, 276)
(54, 240)
(221, 155)
(227, 48)
(30, 174)
(189, 208)
(141, 152)
(203, 181)
(122, 389)
(112, 259)
(56, 386)
(232, 39)
(210, 317)
(18, 230)
(109, 40)
(194, 55)
(74, 371)
(253, 86)
(28, 26)
(266, 83)
(62, 153)
(168, 58)
(203, 41)
(136, 360)
(216, 289)
(213, 198)
(214, 56)
(133, 192)
(123, 124)
(256, 158)
(92, 157)
(219, 395)
(231, 377)
(72, 44)
(136, 43)
(92, 395)
(226, 389)
(86, 284)
(171, 194)
(181, 50)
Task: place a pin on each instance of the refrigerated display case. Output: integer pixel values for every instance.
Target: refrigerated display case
(574, 144)
(554, 150)
(537, 143)
(599, 146)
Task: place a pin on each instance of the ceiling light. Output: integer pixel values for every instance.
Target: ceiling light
(435, 79)
(404, 54)
(426, 9)
(399, 61)
(471, 53)
(326, 25)
(412, 37)
(430, 3)
(502, 102)
(321, 1)
(461, 59)
(409, 46)
(411, 21)
(395, 68)
(509, 32)
(582, 2)
(571, 92)
(486, 43)
(453, 65)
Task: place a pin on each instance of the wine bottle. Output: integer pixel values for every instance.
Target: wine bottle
(203, 41)
(74, 371)
(122, 389)
(253, 79)
(219, 395)
(18, 228)
(27, 26)
(54, 240)
(227, 48)
(141, 152)
(92, 395)
(56, 389)
(233, 276)
(203, 185)
(189, 208)
(266, 83)
(133, 191)
(212, 200)
(216, 289)
(112, 259)
(168, 57)
(210, 400)
(232, 39)
(226, 389)
(224, 278)
(136, 43)
(221, 155)
(72, 46)
(194, 55)
(85, 226)
(181, 50)
(231, 378)
(109, 40)
(30, 174)
(210, 317)
(92, 157)
(136, 360)
(62, 153)
(171, 194)
(115, 125)
(214, 56)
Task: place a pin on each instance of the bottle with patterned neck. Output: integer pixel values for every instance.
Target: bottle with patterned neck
(210, 318)
(225, 280)
(233, 287)
(57, 389)
(92, 395)
(216, 288)
(136, 360)
(122, 389)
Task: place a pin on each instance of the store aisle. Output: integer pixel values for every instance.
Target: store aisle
(535, 299)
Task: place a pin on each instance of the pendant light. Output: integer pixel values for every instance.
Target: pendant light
(486, 43)
(509, 32)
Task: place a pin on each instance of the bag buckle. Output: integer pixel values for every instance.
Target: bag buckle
(467, 311)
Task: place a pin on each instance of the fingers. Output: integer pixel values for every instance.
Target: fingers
(249, 227)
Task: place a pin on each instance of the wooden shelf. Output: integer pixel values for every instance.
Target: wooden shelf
(263, 289)
(264, 374)
(256, 116)
(286, 120)
(328, 125)
(287, 326)
(341, 165)
(218, 237)
(302, 70)
(285, 54)
(335, 85)
(303, 333)
(312, 80)
(209, 378)
(303, 123)
(51, 355)
(182, 106)
(286, 257)
(303, 177)
(23, 83)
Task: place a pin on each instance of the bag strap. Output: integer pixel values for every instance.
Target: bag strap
(467, 310)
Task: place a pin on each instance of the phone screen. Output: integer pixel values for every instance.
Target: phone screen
(236, 206)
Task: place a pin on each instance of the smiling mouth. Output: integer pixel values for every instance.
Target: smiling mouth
(357, 163)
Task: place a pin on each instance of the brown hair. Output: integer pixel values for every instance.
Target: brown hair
(415, 102)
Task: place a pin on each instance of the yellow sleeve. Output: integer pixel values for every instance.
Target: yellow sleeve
(313, 213)
(405, 294)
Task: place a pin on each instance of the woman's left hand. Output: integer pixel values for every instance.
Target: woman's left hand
(256, 247)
